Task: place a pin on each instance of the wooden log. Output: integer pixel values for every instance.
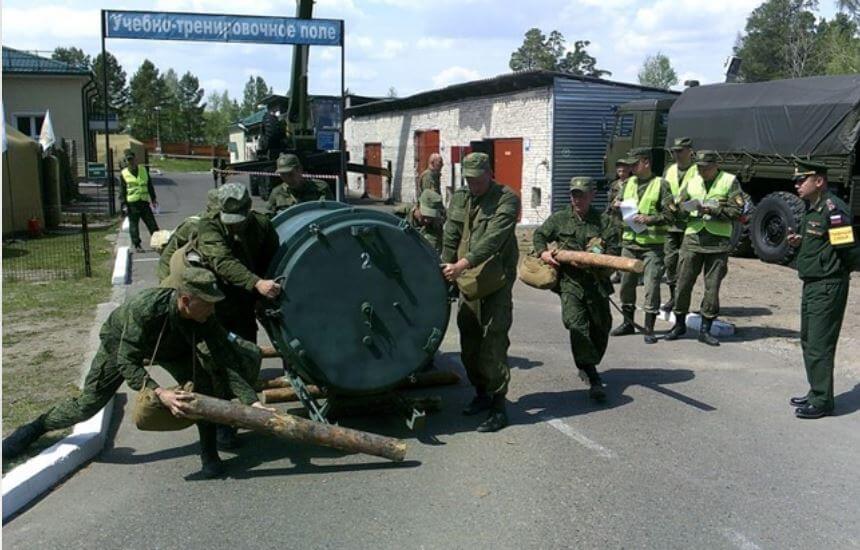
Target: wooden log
(577, 258)
(292, 428)
(279, 390)
(271, 383)
(269, 352)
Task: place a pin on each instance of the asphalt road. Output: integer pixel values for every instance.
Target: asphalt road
(696, 448)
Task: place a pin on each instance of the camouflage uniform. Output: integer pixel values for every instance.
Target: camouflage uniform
(484, 323)
(183, 234)
(430, 207)
(284, 196)
(584, 292)
(239, 260)
(430, 179)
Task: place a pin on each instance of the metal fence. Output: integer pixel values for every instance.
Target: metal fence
(58, 254)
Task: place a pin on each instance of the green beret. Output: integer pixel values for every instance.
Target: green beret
(201, 283)
(706, 156)
(475, 164)
(287, 163)
(128, 154)
(582, 183)
(805, 168)
(430, 203)
(626, 161)
(681, 143)
(234, 201)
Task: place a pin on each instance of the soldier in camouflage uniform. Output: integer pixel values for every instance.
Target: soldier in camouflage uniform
(431, 177)
(295, 188)
(584, 292)
(826, 255)
(677, 175)
(183, 234)
(427, 217)
(481, 224)
(707, 241)
(656, 209)
(623, 170)
(238, 244)
(164, 325)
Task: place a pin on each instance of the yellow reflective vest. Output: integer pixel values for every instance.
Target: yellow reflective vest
(653, 234)
(719, 191)
(136, 187)
(677, 185)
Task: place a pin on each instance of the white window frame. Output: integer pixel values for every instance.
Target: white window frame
(32, 115)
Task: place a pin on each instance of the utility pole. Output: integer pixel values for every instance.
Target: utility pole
(158, 129)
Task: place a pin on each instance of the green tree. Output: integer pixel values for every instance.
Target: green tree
(839, 45)
(117, 89)
(549, 53)
(220, 113)
(657, 72)
(189, 96)
(850, 7)
(147, 90)
(255, 90)
(392, 92)
(72, 56)
(779, 41)
(170, 125)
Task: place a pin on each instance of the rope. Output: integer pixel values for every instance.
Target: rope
(271, 174)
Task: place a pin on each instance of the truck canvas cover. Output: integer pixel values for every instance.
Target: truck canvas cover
(799, 117)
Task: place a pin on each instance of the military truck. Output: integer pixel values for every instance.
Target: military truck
(758, 129)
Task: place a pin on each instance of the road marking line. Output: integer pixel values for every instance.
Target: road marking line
(740, 541)
(570, 432)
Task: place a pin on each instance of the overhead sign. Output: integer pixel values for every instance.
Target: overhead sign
(328, 140)
(222, 28)
(96, 170)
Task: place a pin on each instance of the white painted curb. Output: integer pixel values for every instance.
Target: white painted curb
(39, 474)
(124, 226)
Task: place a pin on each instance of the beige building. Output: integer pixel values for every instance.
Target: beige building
(34, 85)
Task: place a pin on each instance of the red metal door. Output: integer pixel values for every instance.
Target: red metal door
(508, 163)
(373, 157)
(426, 143)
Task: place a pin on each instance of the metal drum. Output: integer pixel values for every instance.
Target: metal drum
(363, 304)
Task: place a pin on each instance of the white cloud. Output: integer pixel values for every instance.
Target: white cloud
(22, 25)
(453, 75)
(434, 43)
(212, 84)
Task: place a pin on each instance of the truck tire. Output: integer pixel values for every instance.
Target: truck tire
(742, 246)
(773, 217)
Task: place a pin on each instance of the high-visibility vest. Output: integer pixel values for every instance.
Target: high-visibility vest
(677, 185)
(136, 187)
(653, 234)
(719, 191)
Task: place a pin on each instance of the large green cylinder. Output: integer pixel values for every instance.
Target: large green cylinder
(363, 304)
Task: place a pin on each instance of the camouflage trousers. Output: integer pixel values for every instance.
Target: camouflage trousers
(484, 326)
(138, 211)
(671, 253)
(588, 321)
(715, 266)
(653, 259)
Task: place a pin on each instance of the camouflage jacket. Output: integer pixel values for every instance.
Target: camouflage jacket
(134, 328)
(429, 180)
(283, 197)
(432, 233)
(238, 260)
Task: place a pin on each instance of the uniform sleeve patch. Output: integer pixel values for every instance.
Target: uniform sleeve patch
(841, 235)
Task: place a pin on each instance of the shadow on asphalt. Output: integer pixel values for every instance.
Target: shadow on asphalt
(848, 402)
(749, 334)
(745, 311)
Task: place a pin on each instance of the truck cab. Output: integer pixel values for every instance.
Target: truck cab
(642, 123)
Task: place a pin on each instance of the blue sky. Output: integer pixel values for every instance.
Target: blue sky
(412, 45)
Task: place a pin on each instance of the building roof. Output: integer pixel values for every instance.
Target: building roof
(506, 83)
(18, 62)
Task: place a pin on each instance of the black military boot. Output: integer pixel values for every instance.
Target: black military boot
(211, 465)
(226, 437)
(589, 375)
(667, 307)
(679, 329)
(481, 402)
(24, 436)
(498, 418)
(626, 327)
(705, 333)
(649, 337)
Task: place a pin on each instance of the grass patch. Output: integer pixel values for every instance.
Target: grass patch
(180, 165)
(46, 327)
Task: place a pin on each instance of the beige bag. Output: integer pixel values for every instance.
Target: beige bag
(149, 413)
(537, 273)
(483, 279)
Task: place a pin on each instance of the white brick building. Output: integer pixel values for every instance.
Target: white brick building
(539, 128)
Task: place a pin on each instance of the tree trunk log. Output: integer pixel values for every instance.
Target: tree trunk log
(587, 259)
(284, 394)
(293, 428)
(279, 390)
(269, 352)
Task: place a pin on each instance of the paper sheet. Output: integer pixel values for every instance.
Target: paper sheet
(629, 209)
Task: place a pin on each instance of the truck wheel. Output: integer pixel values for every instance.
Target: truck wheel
(742, 246)
(773, 217)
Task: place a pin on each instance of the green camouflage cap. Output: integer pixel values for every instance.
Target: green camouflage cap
(430, 203)
(582, 183)
(234, 202)
(638, 152)
(201, 283)
(705, 157)
(805, 168)
(128, 153)
(626, 161)
(213, 203)
(475, 164)
(287, 163)
(681, 142)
